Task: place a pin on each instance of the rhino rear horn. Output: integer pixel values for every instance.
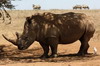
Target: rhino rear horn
(10, 40)
(17, 34)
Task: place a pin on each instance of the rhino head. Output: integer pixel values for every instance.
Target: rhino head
(28, 36)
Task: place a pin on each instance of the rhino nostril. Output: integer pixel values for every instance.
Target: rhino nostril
(20, 47)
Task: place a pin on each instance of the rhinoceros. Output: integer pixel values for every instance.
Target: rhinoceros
(85, 7)
(36, 7)
(77, 7)
(51, 29)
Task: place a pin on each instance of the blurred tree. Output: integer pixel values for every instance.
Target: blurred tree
(8, 5)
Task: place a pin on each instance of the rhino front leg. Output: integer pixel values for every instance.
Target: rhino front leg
(45, 49)
(53, 42)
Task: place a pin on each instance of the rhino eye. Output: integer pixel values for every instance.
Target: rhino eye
(26, 37)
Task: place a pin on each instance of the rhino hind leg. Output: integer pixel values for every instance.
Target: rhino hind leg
(85, 43)
(84, 47)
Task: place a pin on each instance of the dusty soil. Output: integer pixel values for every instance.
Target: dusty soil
(11, 56)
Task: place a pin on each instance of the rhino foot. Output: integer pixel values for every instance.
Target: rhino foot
(53, 56)
(44, 56)
(82, 54)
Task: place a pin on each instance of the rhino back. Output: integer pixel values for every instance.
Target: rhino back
(72, 27)
(67, 27)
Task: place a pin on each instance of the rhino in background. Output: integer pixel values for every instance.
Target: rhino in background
(85, 7)
(52, 29)
(81, 7)
(36, 7)
(77, 7)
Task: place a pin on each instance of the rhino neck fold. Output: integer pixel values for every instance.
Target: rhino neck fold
(37, 34)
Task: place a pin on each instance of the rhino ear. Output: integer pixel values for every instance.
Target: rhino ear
(28, 19)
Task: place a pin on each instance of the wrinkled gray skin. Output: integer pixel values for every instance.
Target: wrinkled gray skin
(52, 29)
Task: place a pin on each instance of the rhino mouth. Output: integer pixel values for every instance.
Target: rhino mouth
(21, 48)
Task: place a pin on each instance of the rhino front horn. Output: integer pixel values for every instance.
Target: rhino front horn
(10, 40)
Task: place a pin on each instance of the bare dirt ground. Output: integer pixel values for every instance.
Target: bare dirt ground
(11, 56)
